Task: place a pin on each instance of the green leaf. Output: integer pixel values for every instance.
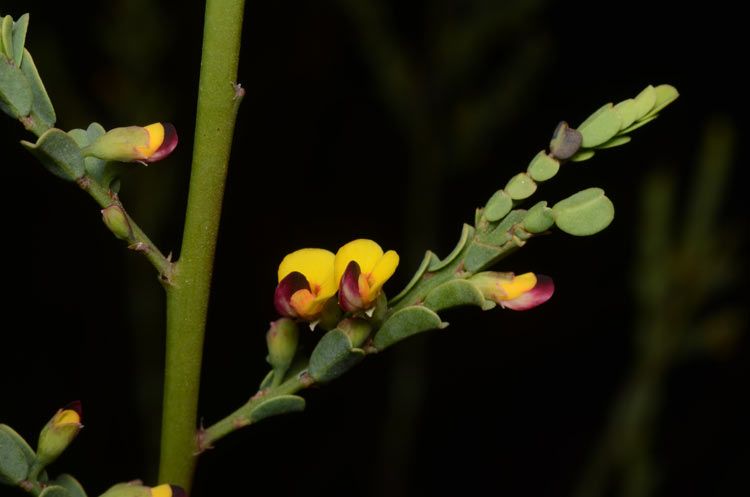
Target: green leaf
(600, 126)
(520, 186)
(333, 356)
(585, 213)
(640, 123)
(55, 491)
(19, 37)
(539, 218)
(70, 484)
(15, 91)
(429, 258)
(14, 463)
(7, 36)
(456, 293)
(582, 156)
(543, 167)
(41, 106)
(503, 231)
(498, 206)
(645, 102)
(59, 153)
(277, 405)
(267, 380)
(405, 323)
(466, 233)
(614, 142)
(665, 95)
(480, 255)
(627, 111)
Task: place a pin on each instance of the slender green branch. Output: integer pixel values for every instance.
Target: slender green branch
(138, 240)
(241, 417)
(187, 299)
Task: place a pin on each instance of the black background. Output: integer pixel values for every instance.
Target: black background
(500, 403)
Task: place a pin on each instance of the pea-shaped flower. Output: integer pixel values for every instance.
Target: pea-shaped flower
(361, 270)
(134, 143)
(306, 282)
(519, 293)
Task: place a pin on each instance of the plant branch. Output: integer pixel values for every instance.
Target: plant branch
(187, 299)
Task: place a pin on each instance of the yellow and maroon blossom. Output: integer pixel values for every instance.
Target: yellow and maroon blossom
(136, 488)
(519, 293)
(135, 143)
(306, 282)
(59, 432)
(361, 270)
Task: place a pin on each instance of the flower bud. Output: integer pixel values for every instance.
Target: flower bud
(519, 293)
(137, 489)
(358, 330)
(282, 339)
(59, 432)
(117, 222)
(135, 143)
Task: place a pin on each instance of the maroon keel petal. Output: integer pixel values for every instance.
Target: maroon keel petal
(167, 146)
(349, 298)
(282, 297)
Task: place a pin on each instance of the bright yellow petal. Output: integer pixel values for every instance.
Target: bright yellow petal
(316, 265)
(162, 491)
(68, 416)
(155, 139)
(383, 270)
(365, 252)
(517, 286)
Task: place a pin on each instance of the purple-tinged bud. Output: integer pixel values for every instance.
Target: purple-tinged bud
(135, 143)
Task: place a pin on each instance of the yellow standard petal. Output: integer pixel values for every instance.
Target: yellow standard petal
(68, 416)
(517, 286)
(155, 139)
(364, 252)
(382, 271)
(316, 265)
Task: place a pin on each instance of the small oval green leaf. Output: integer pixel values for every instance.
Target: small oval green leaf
(19, 37)
(498, 206)
(539, 218)
(70, 484)
(645, 102)
(6, 31)
(456, 293)
(15, 92)
(480, 255)
(14, 465)
(333, 356)
(42, 105)
(665, 95)
(614, 142)
(429, 258)
(59, 153)
(405, 323)
(55, 491)
(640, 123)
(543, 167)
(520, 186)
(466, 233)
(600, 126)
(582, 156)
(585, 213)
(627, 111)
(276, 406)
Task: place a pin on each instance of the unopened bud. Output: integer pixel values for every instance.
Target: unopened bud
(117, 222)
(282, 339)
(134, 143)
(358, 330)
(58, 433)
(137, 489)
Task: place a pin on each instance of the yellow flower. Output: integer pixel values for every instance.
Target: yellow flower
(306, 282)
(361, 271)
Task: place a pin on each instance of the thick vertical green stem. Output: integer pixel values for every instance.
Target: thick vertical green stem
(187, 299)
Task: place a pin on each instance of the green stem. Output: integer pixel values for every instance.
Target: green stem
(187, 298)
(241, 417)
(138, 241)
